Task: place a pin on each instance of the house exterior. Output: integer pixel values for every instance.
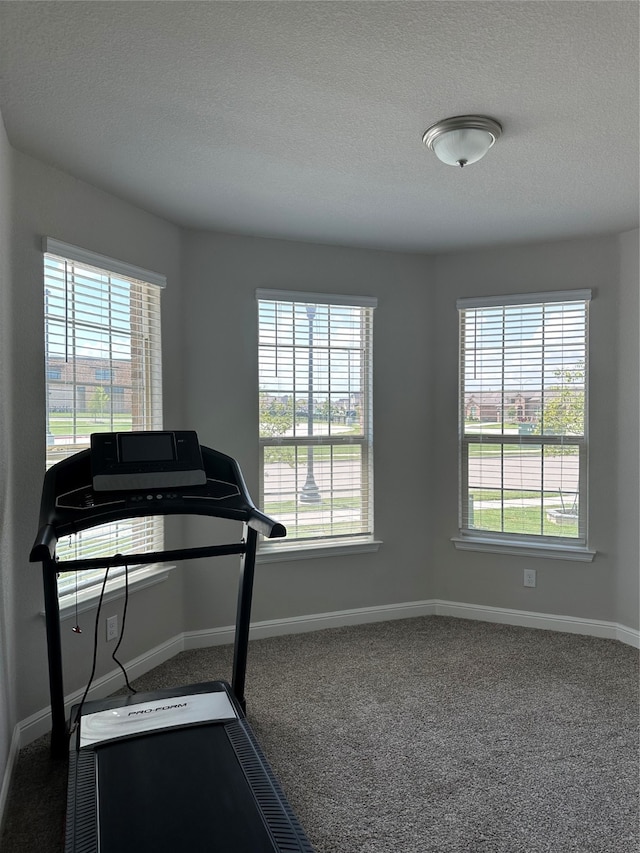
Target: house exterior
(492, 406)
(91, 383)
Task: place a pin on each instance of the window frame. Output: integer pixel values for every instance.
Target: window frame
(471, 538)
(147, 286)
(301, 547)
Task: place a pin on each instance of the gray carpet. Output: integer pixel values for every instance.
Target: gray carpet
(420, 735)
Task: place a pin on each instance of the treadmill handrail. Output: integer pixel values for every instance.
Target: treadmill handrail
(44, 546)
(74, 474)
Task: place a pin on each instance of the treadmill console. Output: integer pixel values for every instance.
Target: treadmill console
(129, 461)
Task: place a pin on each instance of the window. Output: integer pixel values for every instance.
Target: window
(523, 419)
(103, 374)
(316, 452)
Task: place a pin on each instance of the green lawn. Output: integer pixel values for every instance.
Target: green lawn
(527, 520)
(277, 508)
(85, 423)
(496, 495)
(320, 453)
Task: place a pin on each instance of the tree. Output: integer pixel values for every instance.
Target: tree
(326, 411)
(276, 418)
(564, 407)
(98, 402)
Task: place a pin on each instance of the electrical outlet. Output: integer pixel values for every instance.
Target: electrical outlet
(112, 628)
(529, 577)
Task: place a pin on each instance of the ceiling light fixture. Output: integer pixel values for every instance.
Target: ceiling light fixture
(461, 140)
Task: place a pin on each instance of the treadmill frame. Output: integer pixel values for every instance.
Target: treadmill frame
(74, 475)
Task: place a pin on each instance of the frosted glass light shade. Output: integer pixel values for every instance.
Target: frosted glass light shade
(462, 140)
(461, 147)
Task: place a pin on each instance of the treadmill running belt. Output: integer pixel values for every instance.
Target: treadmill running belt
(177, 790)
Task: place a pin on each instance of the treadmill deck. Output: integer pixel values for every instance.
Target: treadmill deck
(202, 786)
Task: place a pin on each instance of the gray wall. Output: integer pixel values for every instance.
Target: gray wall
(48, 202)
(627, 424)
(416, 369)
(8, 692)
(585, 590)
(222, 274)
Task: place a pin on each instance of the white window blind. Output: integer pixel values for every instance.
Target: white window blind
(103, 374)
(523, 417)
(315, 402)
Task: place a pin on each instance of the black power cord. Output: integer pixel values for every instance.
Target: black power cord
(124, 618)
(95, 654)
(95, 642)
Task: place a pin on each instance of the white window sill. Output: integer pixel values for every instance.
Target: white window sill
(88, 598)
(551, 551)
(302, 551)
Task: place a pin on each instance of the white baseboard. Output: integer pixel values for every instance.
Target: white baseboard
(628, 636)
(312, 622)
(432, 607)
(14, 748)
(40, 722)
(544, 621)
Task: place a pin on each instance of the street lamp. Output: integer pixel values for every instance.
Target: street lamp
(309, 493)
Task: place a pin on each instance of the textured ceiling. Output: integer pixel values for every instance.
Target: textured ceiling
(303, 120)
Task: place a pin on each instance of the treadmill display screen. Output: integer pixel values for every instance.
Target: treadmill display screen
(134, 461)
(158, 447)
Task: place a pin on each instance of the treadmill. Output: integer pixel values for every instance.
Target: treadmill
(177, 769)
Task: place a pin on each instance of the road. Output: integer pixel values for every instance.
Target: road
(519, 473)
